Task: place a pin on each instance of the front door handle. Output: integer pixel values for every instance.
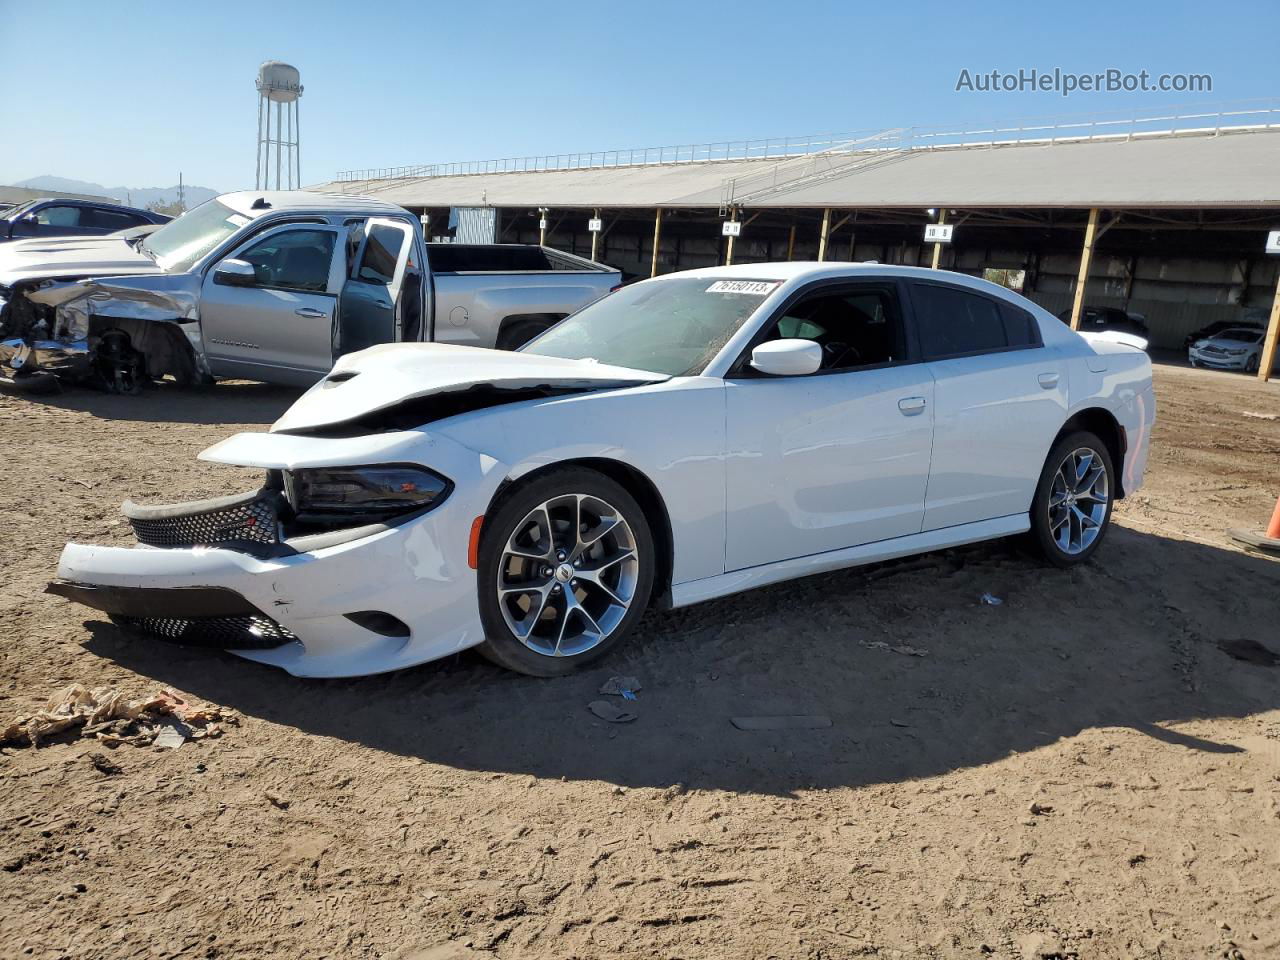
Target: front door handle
(910, 406)
(1048, 380)
(310, 312)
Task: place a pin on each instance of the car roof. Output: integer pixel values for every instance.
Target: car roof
(82, 202)
(243, 201)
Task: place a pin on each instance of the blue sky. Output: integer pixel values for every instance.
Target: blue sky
(129, 94)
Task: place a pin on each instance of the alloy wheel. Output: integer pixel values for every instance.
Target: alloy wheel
(1078, 501)
(568, 575)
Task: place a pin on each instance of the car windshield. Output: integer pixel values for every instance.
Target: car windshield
(181, 242)
(17, 211)
(674, 325)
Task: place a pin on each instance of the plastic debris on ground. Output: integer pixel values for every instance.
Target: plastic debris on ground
(109, 716)
(607, 711)
(903, 648)
(624, 687)
(991, 600)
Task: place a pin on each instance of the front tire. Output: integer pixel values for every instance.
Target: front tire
(565, 571)
(1071, 511)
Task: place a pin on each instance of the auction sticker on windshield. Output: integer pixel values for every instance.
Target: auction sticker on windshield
(755, 288)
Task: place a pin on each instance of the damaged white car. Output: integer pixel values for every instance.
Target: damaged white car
(682, 439)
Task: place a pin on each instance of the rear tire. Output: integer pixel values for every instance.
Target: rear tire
(1071, 511)
(565, 570)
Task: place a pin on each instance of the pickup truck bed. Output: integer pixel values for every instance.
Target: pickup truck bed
(505, 294)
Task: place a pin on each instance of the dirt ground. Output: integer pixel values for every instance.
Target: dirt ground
(1080, 771)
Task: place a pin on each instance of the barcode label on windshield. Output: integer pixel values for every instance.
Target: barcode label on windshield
(756, 288)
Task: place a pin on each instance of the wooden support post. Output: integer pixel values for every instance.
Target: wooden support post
(595, 238)
(1269, 344)
(1086, 257)
(822, 237)
(542, 231)
(657, 235)
(791, 242)
(728, 247)
(937, 247)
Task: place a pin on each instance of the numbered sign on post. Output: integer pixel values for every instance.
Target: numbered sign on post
(1273, 241)
(594, 225)
(938, 233)
(731, 228)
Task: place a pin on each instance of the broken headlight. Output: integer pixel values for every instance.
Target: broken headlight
(363, 494)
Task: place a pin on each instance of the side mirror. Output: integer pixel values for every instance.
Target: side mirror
(235, 273)
(787, 358)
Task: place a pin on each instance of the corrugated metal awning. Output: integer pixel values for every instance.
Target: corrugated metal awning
(1187, 171)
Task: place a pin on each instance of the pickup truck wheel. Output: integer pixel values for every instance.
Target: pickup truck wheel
(565, 570)
(516, 335)
(1071, 511)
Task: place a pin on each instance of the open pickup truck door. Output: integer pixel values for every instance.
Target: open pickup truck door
(381, 301)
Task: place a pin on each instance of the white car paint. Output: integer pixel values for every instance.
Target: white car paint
(762, 479)
(1232, 349)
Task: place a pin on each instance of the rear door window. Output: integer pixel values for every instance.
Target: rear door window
(110, 220)
(955, 323)
(381, 252)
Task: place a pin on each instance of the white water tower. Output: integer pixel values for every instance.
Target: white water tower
(280, 85)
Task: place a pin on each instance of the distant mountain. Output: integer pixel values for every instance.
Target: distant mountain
(134, 196)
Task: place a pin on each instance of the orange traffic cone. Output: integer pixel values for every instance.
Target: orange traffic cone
(1269, 541)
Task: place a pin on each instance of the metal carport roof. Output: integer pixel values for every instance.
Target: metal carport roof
(1231, 169)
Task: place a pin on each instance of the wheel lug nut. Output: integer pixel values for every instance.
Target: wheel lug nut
(559, 554)
(556, 588)
(573, 583)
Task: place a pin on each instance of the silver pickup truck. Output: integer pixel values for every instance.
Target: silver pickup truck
(270, 286)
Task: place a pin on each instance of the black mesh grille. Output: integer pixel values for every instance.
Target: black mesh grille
(251, 632)
(251, 521)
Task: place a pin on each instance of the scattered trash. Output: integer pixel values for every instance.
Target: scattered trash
(103, 765)
(276, 800)
(1250, 651)
(785, 722)
(171, 735)
(607, 711)
(624, 687)
(991, 600)
(1040, 809)
(1260, 416)
(899, 723)
(109, 716)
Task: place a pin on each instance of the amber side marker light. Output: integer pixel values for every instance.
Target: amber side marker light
(473, 547)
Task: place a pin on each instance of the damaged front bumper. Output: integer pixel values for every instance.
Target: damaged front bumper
(345, 603)
(68, 358)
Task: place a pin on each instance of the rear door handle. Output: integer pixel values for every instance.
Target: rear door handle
(910, 406)
(310, 312)
(1048, 380)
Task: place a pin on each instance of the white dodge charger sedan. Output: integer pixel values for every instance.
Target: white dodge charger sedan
(681, 439)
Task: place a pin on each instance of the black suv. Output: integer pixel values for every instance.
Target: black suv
(71, 218)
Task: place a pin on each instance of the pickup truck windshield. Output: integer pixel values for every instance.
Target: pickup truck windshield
(673, 326)
(180, 243)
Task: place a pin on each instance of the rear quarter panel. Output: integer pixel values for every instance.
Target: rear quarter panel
(1118, 379)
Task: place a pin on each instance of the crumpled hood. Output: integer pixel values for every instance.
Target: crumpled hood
(71, 257)
(384, 376)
